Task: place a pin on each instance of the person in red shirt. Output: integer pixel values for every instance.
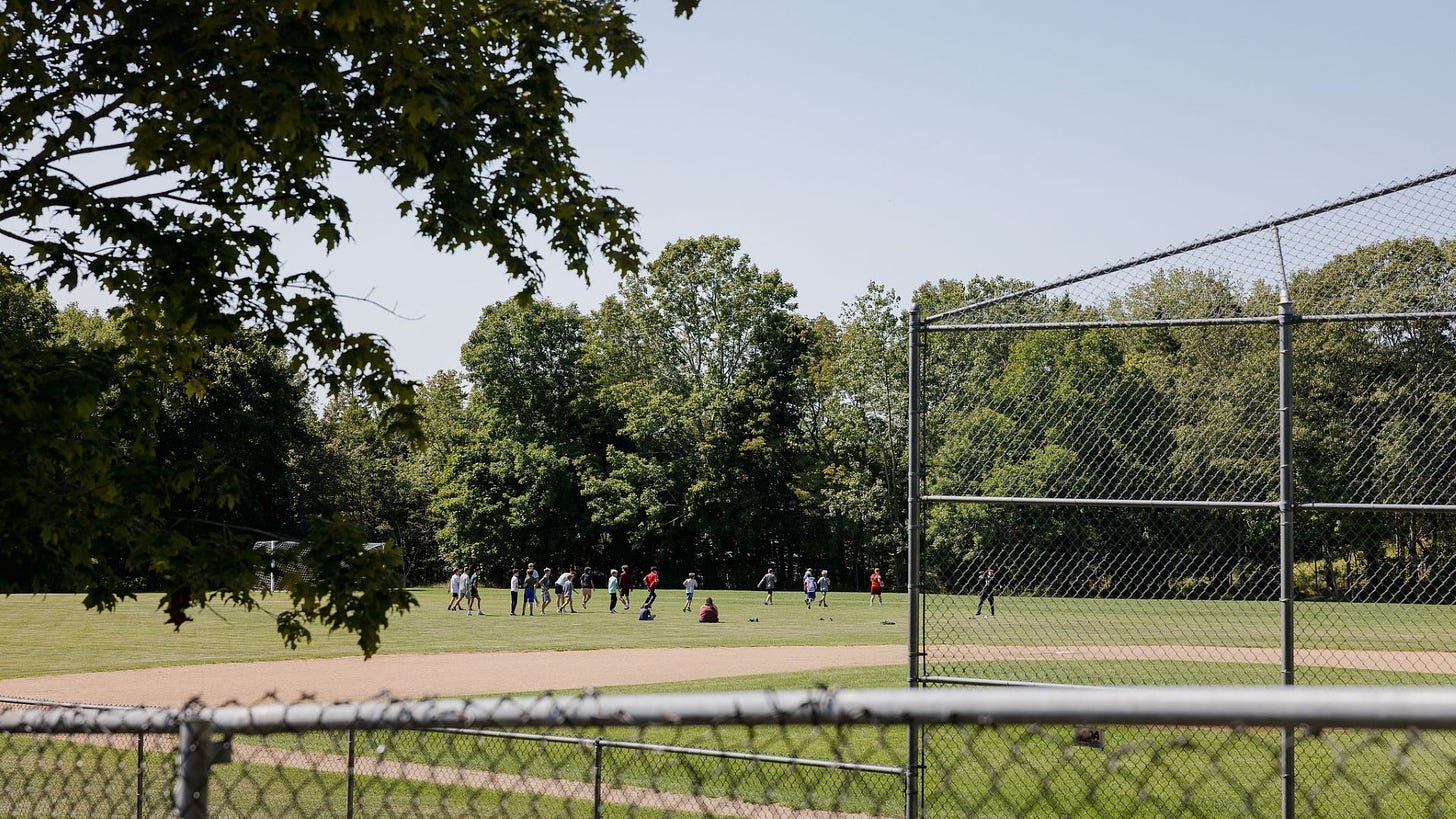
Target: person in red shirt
(877, 588)
(624, 584)
(708, 613)
(650, 581)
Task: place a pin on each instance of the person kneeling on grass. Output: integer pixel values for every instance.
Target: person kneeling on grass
(708, 613)
(646, 613)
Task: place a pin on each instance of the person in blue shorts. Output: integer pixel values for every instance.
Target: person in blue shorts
(809, 588)
(528, 591)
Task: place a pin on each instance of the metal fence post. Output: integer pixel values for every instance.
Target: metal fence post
(349, 782)
(912, 570)
(597, 778)
(194, 764)
(1286, 519)
(140, 772)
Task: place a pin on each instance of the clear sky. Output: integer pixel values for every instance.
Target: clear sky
(848, 141)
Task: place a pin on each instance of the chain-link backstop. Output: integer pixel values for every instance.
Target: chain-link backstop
(1226, 463)
(809, 754)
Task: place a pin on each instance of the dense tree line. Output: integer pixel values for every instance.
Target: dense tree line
(694, 421)
(698, 422)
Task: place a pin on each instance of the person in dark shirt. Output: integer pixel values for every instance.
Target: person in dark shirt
(988, 591)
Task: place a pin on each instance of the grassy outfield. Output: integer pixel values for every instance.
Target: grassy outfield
(1081, 621)
(54, 634)
(45, 634)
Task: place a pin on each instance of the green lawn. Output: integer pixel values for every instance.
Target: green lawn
(42, 634)
(1085, 621)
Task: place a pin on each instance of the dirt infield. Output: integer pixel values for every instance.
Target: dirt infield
(426, 675)
(481, 674)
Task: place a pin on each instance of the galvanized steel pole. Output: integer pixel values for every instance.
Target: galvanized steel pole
(1286, 517)
(349, 783)
(912, 569)
(194, 765)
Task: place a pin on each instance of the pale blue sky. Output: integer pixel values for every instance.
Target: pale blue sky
(848, 142)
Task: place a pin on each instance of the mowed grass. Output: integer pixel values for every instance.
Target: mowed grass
(55, 634)
(1065, 621)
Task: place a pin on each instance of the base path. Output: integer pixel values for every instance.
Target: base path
(409, 676)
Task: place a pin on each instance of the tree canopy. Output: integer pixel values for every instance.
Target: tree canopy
(152, 148)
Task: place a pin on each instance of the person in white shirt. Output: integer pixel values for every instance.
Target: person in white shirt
(454, 592)
(465, 582)
(515, 590)
(691, 585)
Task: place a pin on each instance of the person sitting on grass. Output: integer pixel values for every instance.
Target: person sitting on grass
(646, 612)
(708, 613)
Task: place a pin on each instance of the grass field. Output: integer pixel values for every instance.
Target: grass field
(1012, 770)
(44, 633)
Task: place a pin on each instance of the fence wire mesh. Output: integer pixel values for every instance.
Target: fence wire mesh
(818, 755)
(1103, 463)
(1102, 458)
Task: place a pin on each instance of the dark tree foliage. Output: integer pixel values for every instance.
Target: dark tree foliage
(149, 147)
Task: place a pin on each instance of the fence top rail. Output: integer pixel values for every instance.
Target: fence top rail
(1202, 243)
(1273, 706)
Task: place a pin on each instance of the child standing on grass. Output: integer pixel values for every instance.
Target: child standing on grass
(809, 588)
(877, 587)
(545, 589)
(624, 584)
(690, 585)
(824, 588)
(515, 590)
(612, 593)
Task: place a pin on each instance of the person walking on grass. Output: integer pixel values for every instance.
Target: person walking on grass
(473, 591)
(690, 585)
(586, 584)
(612, 593)
(877, 587)
(454, 592)
(515, 590)
(988, 591)
(624, 586)
(810, 587)
(546, 583)
(767, 584)
(649, 581)
(824, 588)
(465, 581)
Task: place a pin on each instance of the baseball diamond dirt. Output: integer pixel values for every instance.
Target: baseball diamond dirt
(482, 674)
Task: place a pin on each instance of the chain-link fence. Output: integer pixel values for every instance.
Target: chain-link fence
(1233, 462)
(812, 754)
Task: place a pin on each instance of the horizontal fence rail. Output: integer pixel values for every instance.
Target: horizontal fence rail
(1375, 707)
(815, 754)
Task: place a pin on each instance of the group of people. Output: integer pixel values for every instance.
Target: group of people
(532, 589)
(817, 588)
